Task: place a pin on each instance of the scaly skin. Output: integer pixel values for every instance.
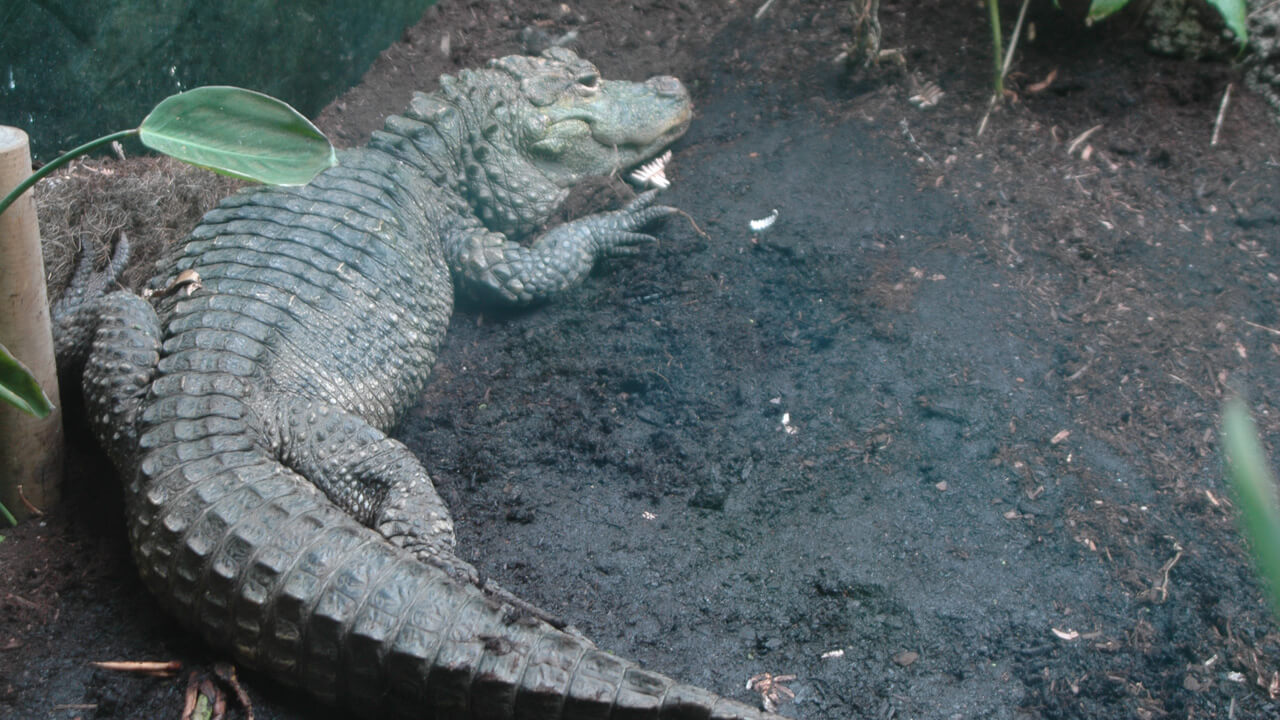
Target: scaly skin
(268, 509)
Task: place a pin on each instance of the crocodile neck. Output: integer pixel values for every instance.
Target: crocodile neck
(465, 138)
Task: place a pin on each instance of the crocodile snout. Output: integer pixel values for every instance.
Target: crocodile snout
(667, 86)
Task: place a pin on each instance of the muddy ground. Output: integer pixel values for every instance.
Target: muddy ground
(941, 443)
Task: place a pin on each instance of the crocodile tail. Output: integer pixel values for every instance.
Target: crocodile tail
(262, 565)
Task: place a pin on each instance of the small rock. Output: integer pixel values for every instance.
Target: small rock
(906, 658)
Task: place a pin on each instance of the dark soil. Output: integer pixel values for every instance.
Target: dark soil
(954, 415)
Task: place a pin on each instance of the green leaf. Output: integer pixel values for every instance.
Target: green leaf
(1236, 16)
(1255, 490)
(19, 389)
(240, 133)
(1100, 9)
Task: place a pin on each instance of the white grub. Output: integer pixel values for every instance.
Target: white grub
(654, 172)
(764, 222)
(833, 654)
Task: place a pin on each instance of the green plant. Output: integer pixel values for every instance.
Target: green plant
(1255, 491)
(1234, 12)
(19, 388)
(993, 12)
(228, 130)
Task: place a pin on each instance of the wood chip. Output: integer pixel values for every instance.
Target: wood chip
(1067, 635)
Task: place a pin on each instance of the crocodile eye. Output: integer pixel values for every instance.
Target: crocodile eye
(589, 81)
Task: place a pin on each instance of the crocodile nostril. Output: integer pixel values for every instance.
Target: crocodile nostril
(666, 85)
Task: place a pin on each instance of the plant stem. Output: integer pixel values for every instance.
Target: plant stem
(61, 160)
(8, 516)
(997, 43)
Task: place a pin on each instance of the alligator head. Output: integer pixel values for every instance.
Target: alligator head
(524, 129)
(580, 125)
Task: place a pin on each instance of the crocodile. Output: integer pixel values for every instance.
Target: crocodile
(246, 402)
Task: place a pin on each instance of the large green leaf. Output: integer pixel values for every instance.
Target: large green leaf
(1255, 490)
(1236, 16)
(1234, 12)
(19, 389)
(238, 132)
(1100, 9)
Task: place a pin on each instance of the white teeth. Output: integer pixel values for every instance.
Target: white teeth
(653, 173)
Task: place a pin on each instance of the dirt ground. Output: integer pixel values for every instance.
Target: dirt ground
(941, 442)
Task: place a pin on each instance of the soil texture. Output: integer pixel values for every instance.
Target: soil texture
(942, 442)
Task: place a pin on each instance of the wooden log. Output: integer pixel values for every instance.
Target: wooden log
(30, 449)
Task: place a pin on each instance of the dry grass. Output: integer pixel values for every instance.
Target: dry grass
(154, 200)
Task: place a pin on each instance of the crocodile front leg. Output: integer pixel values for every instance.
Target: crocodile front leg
(494, 268)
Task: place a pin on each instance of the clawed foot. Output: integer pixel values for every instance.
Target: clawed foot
(70, 327)
(614, 234)
(93, 283)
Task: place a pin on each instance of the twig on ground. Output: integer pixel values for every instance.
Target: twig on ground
(1079, 139)
(1252, 324)
(1264, 8)
(21, 601)
(189, 698)
(1078, 373)
(142, 667)
(694, 224)
(906, 133)
(227, 673)
(1044, 84)
(1222, 110)
(1160, 593)
(27, 503)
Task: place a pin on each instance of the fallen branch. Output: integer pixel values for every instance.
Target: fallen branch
(142, 667)
(1222, 110)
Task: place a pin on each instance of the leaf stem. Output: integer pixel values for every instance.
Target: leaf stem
(997, 43)
(59, 161)
(8, 516)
